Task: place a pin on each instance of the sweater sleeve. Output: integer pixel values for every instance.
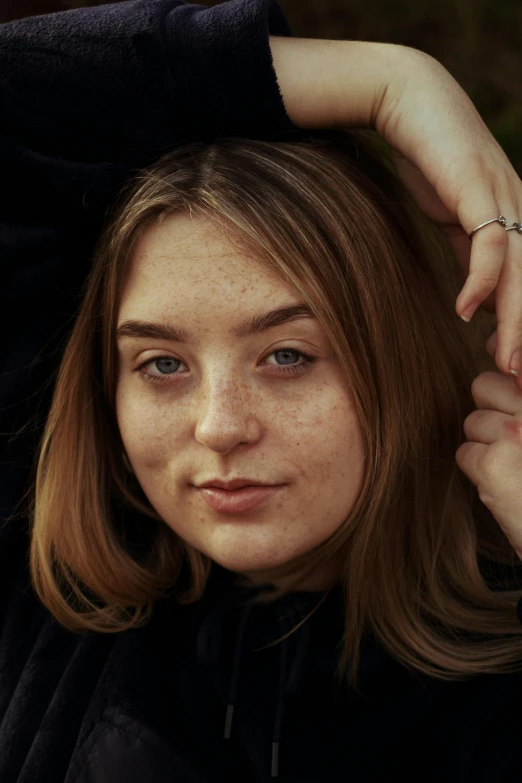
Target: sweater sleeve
(87, 97)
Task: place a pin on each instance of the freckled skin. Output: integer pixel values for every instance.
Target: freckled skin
(228, 412)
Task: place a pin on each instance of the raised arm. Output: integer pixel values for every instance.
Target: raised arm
(87, 97)
(443, 151)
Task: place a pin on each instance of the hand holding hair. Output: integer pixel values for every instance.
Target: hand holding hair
(456, 171)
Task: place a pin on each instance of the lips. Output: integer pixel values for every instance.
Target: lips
(238, 501)
(237, 483)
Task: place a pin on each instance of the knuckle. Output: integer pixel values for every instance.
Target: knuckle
(481, 387)
(472, 422)
(478, 383)
(477, 416)
(486, 278)
(513, 429)
(494, 461)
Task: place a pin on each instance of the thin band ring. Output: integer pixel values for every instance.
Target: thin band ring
(501, 219)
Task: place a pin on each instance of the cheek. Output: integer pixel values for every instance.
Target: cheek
(325, 439)
(148, 433)
(321, 440)
(330, 456)
(336, 469)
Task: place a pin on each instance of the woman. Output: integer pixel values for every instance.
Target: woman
(125, 705)
(191, 378)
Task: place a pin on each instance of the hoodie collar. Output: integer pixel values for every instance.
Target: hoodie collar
(284, 615)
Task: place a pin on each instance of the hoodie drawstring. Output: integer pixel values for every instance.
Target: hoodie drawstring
(209, 642)
(287, 685)
(232, 692)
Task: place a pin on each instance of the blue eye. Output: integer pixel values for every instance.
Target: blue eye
(287, 352)
(288, 368)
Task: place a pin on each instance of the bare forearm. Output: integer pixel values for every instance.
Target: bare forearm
(442, 150)
(328, 84)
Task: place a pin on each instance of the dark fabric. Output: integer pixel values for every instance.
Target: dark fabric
(87, 97)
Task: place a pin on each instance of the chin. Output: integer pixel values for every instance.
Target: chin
(250, 567)
(254, 568)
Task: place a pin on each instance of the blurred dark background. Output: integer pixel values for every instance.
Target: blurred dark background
(478, 41)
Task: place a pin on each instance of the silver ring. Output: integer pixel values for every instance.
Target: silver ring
(501, 219)
(518, 227)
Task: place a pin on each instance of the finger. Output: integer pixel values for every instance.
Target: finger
(509, 306)
(491, 349)
(469, 458)
(461, 247)
(488, 253)
(485, 426)
(496, 392)
(489, 304)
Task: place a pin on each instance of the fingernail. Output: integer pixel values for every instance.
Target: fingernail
(514, 365)
(468, 314)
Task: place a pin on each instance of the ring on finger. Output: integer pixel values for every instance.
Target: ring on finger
(503, 222)
(501, 219)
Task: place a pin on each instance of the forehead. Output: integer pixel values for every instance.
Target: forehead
(193, 255)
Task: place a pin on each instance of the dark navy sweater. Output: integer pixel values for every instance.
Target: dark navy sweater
(88, 97)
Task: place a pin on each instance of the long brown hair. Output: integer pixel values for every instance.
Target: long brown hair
(326, 211)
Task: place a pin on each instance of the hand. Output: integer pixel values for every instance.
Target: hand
(460, 177)
(492, 457)
(456, 171)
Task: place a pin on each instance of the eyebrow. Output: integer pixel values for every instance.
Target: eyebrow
(252, 325)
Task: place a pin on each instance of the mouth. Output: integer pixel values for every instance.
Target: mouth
(237, 483)
(240, 500)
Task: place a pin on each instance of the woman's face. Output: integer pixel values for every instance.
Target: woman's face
(223, 402)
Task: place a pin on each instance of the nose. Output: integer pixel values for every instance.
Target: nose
(226, 415)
